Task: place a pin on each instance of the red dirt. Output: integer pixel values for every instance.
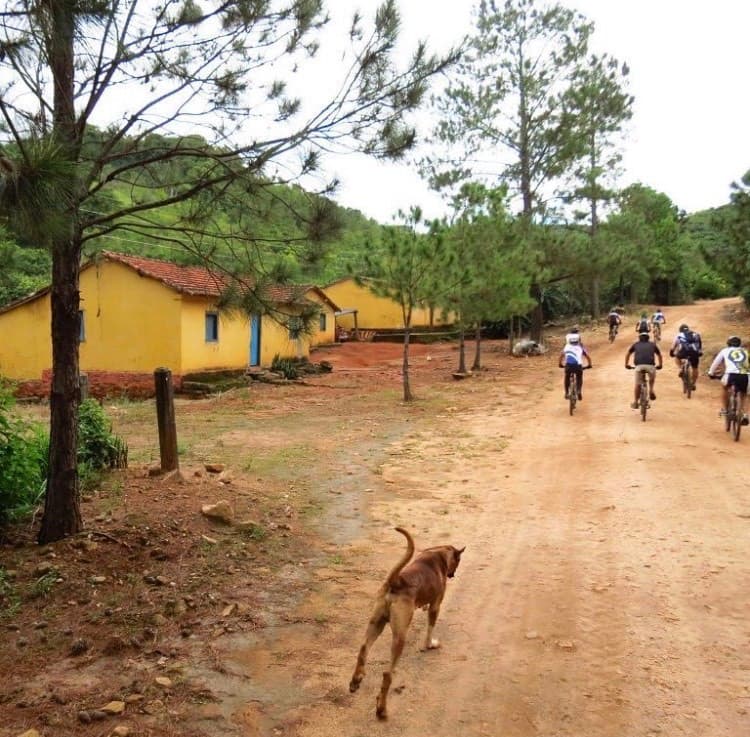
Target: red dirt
(603, 591)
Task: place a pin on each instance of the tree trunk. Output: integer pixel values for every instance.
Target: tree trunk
(461, 351)
(477, 348)
(408, 396)
(595, 298)
(537, 314)
(62, 510)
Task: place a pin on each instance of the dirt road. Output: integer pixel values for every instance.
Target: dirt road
(604, 589)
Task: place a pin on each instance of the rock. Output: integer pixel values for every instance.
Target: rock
(221, 511)
(121, 731)
(79, 646)
(44, 568)
(30, 733)
(209, 540)
(97, 715)
(84, 717)
(163, 681)
(97, 579)
(214, 467)
(113, 707)
(229, 610)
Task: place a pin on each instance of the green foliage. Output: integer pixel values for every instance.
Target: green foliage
(10, 600)
(98, 447)
(23, 459)
(287, 367)
(709, 285)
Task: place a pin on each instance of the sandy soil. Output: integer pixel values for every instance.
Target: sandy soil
(603, 591)
(604, 587)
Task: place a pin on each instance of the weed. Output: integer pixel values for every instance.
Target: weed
(254, 532)
(43, 585)
(336, 560)
(10, 601)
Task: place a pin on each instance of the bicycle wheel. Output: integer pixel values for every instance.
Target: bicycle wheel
(644, 398)
(573, 392)
(687, 384)
(612, 334)
(736, 418)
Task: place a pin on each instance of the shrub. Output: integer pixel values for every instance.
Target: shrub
(287, 367)
(98, 447)
(745, 294)
(709, 286)
(24, 447)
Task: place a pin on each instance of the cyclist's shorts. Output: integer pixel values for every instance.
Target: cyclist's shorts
(738, 380)
(647, 367)
(692, 357)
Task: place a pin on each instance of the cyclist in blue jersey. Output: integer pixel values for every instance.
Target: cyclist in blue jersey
(571, 359)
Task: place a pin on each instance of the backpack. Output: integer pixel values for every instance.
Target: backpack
(691, 341)
(643, 326)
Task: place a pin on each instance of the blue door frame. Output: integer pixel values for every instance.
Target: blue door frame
(255, 340)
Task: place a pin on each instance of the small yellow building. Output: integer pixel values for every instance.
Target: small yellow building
(373, 312)
(138, 314)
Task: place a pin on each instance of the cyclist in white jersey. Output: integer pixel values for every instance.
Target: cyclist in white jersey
(571, 359)
(736, 363)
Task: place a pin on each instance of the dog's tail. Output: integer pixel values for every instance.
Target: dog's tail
(394, 574)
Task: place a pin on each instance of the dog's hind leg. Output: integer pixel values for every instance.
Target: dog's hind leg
(432, 615)
(400, 620)
(374, 628)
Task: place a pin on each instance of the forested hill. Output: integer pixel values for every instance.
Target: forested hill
(284, 239)
(645, 251)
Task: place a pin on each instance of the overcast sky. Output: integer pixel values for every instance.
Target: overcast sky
(689, 61)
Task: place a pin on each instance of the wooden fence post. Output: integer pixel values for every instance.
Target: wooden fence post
(83, 383)
(166, 420)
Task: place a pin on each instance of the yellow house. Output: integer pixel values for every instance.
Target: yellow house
(372, 312)
(138, 314)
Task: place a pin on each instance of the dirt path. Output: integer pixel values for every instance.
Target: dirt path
(603, 590)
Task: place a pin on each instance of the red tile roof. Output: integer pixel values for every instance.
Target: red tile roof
(198, 280)
(195, 280)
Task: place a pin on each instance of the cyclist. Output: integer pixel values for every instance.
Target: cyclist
(614, 320)
(571, 359)
(645, 355)
(575, 331)
(736, 362)
(643, 326)
(658, 319)
(687, 344)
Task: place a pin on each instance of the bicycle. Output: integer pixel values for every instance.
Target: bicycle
(733, 417)
(644, 403)
(686, 378)
(612, 333)
(657, 332)
(573, 389)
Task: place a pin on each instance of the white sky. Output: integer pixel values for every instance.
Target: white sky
(689, 62)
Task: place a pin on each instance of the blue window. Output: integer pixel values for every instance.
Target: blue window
(81, 327)
(212, 327)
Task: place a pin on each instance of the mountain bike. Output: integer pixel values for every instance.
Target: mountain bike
(686, 378)
(644, 403)
(573, 389)
(733, 417)
(657, 332)
(612, 333)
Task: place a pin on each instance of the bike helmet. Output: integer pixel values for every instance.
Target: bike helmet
(575, 329)
(644, 314)
(734, 342)
(644, 334)
(574, 338)
(684, 328)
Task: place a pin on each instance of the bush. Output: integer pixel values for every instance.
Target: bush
(745, 294)
(287, 367)
(24, 447)
(98, 447)
(709, 286)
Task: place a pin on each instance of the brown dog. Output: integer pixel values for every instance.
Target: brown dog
(420, 584)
